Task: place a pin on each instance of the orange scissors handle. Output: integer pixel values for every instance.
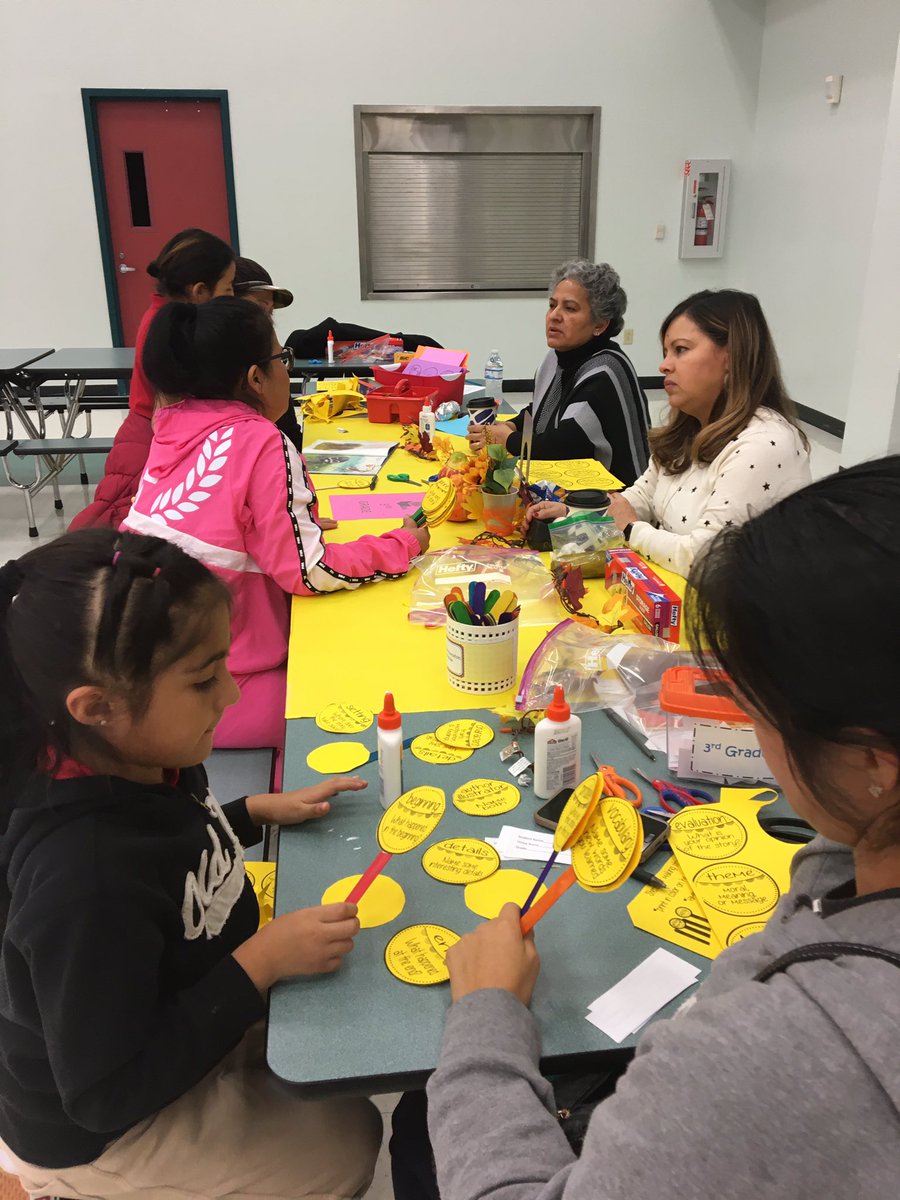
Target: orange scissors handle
(616, 785)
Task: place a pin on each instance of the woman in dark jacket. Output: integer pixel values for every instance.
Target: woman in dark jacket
(588, 402)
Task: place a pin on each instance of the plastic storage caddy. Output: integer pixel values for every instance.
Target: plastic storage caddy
(448, 387)
(707, 736)
(387, 404)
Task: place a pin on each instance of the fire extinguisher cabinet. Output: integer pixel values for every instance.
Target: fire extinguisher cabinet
(703, 207)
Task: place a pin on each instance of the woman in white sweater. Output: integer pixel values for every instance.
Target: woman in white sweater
(731, 446)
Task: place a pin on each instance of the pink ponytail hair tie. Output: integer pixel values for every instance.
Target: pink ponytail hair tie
(116, 557)
(156, 572)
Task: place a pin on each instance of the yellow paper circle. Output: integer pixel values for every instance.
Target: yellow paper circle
(460, 860)
(416, 954)
(609, 848)
(344, 718)
(465, 734)
(488, 896)
(486, 797)
(336, 758)
(438, 502)
(427, 748)
(383, 900)
(736, 888)
(410, 819)
(579, 809)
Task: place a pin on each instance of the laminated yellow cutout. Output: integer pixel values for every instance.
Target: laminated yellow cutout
(428, 749)
(336, 758)
(460, 860)
(262, 876)
(578, 810)
(382, 901)
(486, 797)
(609, 847)
(674, 914)
(575, 473)
(487, 897)
(464, 734)
(416, 954)
(344, 718)
(410, 819)
(736, 870)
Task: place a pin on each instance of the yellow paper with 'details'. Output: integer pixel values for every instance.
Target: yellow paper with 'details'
(486, 797)
(416, 954)
(382, 901)
(410, 819)
(609, 847)
(460, 860)
(487, 897)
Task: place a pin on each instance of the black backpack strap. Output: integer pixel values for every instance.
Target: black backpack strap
(826, 950)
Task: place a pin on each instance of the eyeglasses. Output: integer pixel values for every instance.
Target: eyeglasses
(286, 355)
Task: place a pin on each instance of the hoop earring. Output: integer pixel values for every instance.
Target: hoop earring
(876, 790)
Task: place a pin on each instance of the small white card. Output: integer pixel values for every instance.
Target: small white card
(633, 1000)
(526, 845)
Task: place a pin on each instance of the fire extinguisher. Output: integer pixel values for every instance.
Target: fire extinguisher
(703, 229)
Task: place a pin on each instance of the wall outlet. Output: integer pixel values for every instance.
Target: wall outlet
(659, 233)
(627, 337)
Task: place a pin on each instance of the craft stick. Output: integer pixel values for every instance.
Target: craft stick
(548, 899)
(540, 879)
(371, 873)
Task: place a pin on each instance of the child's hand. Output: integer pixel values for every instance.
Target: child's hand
(310, 941)
(327, 523)
(495, 955)
(303, 804)
(422, 535)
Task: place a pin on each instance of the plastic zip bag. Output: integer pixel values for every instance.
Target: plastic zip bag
(582, 539)
(519, 571)
(597, 670)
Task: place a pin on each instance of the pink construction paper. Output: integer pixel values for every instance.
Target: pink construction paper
(375, 506)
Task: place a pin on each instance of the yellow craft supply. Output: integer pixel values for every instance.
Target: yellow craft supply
(337, 758)
(464, 734)
(460, 860)
(383, 901)
(609, 847)
(574, 474)
(578, 810)
(344, 718)
(262, 876)
(410, 819)
(428, 749)
(736, 870)
(674, 913)
(486, 797)
(416, 954)
(487, 897)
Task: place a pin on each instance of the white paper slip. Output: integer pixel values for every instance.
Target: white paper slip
(526, 845)
(633, 1000)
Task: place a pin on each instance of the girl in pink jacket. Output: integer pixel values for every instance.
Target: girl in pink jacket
(227, 487)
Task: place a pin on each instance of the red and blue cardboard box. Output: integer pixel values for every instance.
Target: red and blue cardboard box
(656, 605)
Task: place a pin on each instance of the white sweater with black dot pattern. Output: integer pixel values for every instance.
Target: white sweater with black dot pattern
(678, 514)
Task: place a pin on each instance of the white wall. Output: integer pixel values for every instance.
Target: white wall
(674, 80)
(810, 194)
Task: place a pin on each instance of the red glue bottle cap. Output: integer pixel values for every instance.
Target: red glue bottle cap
(558, 709)
(389, 718)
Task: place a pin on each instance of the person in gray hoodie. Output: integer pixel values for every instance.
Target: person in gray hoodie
(781, 1076)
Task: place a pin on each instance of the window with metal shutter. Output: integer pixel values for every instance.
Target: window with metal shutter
(460, 201)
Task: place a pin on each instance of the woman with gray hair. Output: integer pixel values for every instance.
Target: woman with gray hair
(588, 402)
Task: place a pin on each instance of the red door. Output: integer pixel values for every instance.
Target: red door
(163, 170)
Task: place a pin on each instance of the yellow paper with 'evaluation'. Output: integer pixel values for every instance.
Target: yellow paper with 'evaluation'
(410, 819)
(674, 914)
(736, 870)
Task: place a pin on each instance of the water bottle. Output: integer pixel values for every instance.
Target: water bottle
(493, 377)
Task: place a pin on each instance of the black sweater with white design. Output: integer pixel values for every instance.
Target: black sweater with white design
(118, 989)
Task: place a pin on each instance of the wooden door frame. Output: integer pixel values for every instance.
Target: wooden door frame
(89, 99)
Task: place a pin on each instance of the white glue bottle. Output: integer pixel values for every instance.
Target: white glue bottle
(329, 346)
(557, 749)
(390, 752)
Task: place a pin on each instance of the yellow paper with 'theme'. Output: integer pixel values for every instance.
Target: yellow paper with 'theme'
(382, 901)
(465, 734)
(344, 718)
(486, 797)
(410, 819)
(336, 758)
(487, 897)
(736, 870)
(416, 954)
(460, 860)
(674, 914)
(428, 749)
(609, 847)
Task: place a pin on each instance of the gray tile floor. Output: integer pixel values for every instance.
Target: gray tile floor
(14, 540)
